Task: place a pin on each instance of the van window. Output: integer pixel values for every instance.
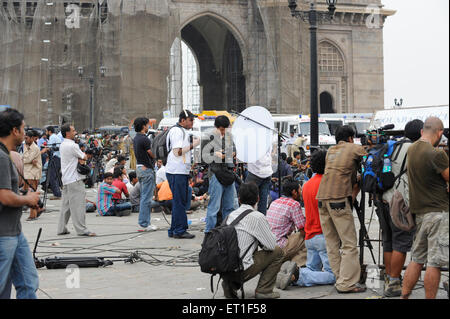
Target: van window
(334, 125)
(305, 128)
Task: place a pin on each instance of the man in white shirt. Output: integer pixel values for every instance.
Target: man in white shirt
(253, 231)
(260, 173)
(74, 193)
(160, 173)
(177, 171)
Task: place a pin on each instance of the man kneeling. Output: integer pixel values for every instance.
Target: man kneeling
(317, 270)
(254, 230)
(105, 204)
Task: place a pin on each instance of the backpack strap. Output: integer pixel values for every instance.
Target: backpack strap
(402, 171)
(240, 217)
(169, 148)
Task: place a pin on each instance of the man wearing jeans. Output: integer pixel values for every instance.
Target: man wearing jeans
(177, 171)
(222, 196)
(16, 262)
(144, 172)
(260, 173)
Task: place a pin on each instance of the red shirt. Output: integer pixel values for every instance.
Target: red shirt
(310, 189)
(120, 185)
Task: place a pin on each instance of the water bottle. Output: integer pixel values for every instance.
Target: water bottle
(387, 167)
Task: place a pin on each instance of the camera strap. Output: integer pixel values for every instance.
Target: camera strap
(5, 149)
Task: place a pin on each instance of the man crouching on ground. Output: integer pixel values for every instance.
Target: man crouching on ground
(254, 230)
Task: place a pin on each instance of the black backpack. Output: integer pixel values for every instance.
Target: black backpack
(220, 253)
(159, 145)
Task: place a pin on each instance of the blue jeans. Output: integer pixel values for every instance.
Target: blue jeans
(221, 197)
(264, 189)
(169, 203)
(179, 185)
(118, 208)
(317, 270)
(147, 180)
(17, 266)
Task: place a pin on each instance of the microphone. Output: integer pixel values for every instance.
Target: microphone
(388, 127)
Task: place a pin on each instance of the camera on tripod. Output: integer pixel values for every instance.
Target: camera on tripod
(376, 136)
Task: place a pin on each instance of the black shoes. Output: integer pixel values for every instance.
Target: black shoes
(184, 235)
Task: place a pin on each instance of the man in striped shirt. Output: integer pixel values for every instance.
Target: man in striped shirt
(105, 194)
(253, 231)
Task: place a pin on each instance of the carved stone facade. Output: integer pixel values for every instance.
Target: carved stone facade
(249, 52)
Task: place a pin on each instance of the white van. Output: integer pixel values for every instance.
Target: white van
(399, 117)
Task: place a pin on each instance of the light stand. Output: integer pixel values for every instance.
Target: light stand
(91, 80)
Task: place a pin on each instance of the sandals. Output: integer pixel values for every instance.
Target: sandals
(358, 288)
(89, 235)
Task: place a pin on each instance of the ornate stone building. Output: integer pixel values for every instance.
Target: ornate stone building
(248, 52)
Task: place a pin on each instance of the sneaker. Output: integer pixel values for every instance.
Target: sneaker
(148, 228)
(284, 277)
(393, 289)
(271, 295)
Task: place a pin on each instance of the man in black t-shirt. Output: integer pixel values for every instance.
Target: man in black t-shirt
(145, 172)
(16, 263)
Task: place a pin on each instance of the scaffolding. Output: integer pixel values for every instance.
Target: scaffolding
(44, 43)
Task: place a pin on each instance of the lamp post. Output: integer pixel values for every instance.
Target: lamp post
(91, 80)
(314, 17)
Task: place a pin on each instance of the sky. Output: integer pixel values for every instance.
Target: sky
(416, 52)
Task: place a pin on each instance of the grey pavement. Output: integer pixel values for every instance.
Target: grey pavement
(168, 269)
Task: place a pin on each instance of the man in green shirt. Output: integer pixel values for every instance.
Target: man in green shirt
(428, 175)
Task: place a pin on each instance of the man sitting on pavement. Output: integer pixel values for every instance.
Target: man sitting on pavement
(254, 230)
(105, 204)
(317, 270)
(134, 188)
(118, 182)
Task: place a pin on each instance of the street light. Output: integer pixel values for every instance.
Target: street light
(91, 80)
(313, 17)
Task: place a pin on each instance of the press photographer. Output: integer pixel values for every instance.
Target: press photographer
(389, 164)
(16, 262)
(74, 193)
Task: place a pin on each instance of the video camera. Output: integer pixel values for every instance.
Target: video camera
(376, 136)
(40, 203)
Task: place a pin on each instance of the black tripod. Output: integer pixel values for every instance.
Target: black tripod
(82, 262)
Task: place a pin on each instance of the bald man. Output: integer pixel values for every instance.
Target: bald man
(428, 170)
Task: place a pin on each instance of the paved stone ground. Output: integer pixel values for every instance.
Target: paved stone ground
(170, 270)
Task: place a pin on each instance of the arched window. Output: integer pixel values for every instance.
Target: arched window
(330, 59)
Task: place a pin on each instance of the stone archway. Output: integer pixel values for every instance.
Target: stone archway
(326, 103)
(220, 60)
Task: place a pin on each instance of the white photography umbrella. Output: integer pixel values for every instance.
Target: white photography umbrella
(253, 134)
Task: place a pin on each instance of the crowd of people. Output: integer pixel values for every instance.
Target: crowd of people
(305, 237)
